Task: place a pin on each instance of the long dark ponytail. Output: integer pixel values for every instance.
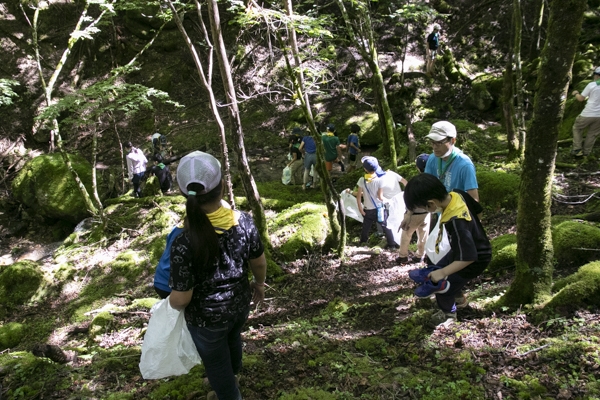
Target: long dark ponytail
(203, 238)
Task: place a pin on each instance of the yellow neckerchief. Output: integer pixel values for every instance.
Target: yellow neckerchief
(456, 208)
(224, 218)
(370, 177)
(328, 134)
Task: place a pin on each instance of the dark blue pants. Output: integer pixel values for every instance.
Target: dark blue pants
(137, 180)
(221, 351)
(369, 219)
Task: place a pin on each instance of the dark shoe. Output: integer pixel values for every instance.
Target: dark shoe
(428, 288)
(421, 275)
(461, 302)
(392, 247)
(403, 260)
(577, 153)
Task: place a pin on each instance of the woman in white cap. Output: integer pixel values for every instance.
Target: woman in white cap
(210, 261)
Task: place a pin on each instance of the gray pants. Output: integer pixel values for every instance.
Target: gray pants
(310, 160)
(581, 123)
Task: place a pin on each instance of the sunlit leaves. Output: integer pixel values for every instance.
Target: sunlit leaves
(6, 91)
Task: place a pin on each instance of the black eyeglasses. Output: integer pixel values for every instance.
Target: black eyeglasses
(439, 142)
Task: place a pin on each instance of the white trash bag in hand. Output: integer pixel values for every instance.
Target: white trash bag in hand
(168, 348)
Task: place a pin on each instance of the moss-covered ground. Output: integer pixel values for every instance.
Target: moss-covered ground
(328, 329)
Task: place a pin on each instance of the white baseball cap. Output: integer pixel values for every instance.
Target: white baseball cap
(199, 167)
(597, 71)
(441, 130)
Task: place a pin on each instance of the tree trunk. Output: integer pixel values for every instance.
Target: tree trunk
(520, 117)
(536, 35)
(206, 82)
(237, 132)
(333, 202)
(368, 50)
(508, 109)
(534, 240)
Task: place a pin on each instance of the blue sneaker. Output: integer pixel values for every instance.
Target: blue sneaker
(428, 288)
(419, 275)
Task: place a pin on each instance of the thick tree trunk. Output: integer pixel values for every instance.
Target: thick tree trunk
(237, 132)
(536, 35)
(508, 109)
(534, 240)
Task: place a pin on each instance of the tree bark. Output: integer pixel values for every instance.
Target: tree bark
(520, 117)
(534, 239)
(508, 99)
(366, 46)
(237, 132)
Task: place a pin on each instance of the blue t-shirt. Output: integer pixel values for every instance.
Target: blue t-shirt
(163, 269)
(353, 139)
(309, 144)
(459, 175)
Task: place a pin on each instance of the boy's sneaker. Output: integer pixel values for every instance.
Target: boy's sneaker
(577, 153)
(461, 302)
(403, 260)
(428, 288)
(419, 275)
(441, 318)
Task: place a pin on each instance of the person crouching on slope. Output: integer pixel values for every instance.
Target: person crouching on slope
(470, 249)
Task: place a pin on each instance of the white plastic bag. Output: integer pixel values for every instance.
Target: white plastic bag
(168, 348)
(350, 206)
(286, 178)
(443, 247)
(396, 215)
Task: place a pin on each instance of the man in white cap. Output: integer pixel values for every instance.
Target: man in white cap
(589, 117)
(448, 163)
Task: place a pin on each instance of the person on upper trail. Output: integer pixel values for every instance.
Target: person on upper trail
(352, 144)
(589, 117)
(370, 187)
(210, 265)
(161, 171)
(433, 43)
(295, 158)
(159, 144)
(470, 249)
(136, 167)
(331, 144)
(309, 148)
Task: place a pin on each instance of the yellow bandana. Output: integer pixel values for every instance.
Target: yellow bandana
(457, 208)
(370, 177)
(328, 134)
(224, 218)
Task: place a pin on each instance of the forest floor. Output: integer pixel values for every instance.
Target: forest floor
(330, 329)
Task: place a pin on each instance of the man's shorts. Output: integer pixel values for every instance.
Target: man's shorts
(432, 53)
(352, 157)
(328, 165)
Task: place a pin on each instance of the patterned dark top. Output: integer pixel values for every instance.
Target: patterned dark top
(225, 294)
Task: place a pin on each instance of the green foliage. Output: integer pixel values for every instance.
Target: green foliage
(101, 322)
(573, 108)
(19, 282)
(498, 189)
(179, 388)
(105, 97)
(527, 387)
(46, 186)
(309, 394)
(504, 253)
(371, 345)
(6, 91)
(10, 335)
(571, 239)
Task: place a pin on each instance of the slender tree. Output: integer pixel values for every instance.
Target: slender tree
(361, 34)
(237, 131)
(534, 240)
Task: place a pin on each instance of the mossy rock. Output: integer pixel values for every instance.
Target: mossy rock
(570, 238)
(504, 253)
(301, 228)
(152, 187)
(19, 282)
(46, 187)
(498, 189)
(10, 335)
(101, 322)
(371, 345)
(579, 290)
(370, 131)
(479, 97)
